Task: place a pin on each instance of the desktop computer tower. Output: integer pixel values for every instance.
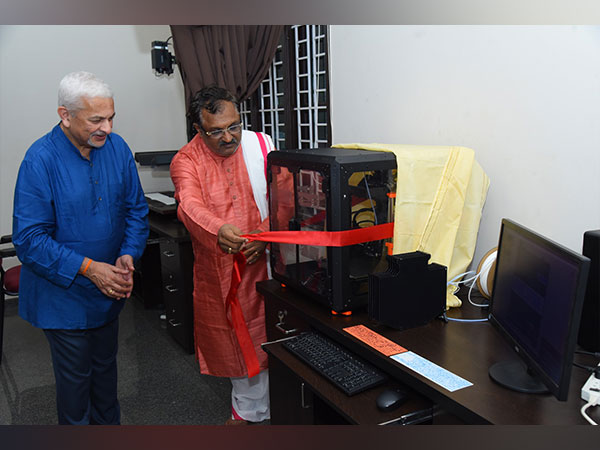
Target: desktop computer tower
(589, 328)
(329, 189)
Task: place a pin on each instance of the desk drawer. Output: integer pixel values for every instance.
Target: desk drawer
(173, 282)
(177, 297)
(147, 276)
(282, 321)
(170, 255)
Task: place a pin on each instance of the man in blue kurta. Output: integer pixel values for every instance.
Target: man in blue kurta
(80, 221)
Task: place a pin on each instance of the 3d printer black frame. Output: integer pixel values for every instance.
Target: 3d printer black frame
(336, 166)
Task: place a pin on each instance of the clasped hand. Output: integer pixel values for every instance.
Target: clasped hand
(113, 281)
(230, 240)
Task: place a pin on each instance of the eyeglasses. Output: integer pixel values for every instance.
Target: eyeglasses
(217, 134)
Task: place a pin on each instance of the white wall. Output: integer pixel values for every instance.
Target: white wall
(150, 111)
(526, 99)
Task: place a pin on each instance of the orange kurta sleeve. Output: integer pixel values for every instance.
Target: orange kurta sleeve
(264, 225)
(193, 211)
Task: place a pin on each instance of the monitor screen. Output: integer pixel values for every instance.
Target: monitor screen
(536, 305)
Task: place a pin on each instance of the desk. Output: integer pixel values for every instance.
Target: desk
(466, 349)
(162, 219)
(175, 258)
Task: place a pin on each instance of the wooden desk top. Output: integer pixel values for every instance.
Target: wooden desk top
(362, 409)
(466, 349)
(168, 226)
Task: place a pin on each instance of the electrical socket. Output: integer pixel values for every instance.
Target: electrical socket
(590, 392)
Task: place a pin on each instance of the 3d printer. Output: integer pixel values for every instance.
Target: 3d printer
(329, 189)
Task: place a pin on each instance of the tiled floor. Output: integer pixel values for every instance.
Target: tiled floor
(159, 383)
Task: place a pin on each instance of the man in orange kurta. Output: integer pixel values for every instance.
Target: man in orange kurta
(217, 203)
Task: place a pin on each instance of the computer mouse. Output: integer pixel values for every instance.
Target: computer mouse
(390, 399)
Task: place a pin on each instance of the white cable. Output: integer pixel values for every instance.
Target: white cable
(584, 414)
(372, 202)
(470, 279)
(484, 272)
(455, 283)
(485, 268)
(452, 319)
(474, 281)
(461, 275)
(480, 305)
(483, 277)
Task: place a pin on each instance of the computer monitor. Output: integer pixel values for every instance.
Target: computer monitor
(536, 304)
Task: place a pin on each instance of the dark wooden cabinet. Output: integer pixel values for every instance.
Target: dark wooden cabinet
(176, 260)
(147, 280)
(171, 275)
(290, 398)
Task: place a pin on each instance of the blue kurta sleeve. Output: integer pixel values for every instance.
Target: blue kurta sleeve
(136, 219)
(34, 225)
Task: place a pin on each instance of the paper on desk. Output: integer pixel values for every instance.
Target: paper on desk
(162, 198)
(375, 340)
(432, 371)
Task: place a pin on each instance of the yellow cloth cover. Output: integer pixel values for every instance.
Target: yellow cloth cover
(440, 194)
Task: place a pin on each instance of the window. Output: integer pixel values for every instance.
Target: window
(292, 102)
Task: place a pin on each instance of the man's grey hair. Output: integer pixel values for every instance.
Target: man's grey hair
(76, 85)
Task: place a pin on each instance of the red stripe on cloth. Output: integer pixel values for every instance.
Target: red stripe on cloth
(326, 238)
(238, 323)
(235, 415)
(263, 147)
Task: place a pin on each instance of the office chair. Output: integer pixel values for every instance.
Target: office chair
(9, 281)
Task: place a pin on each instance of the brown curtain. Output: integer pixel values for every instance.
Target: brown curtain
(236, 57)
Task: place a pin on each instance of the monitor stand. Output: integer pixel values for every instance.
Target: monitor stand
(514, 375)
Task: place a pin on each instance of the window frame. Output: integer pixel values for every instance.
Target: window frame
(253, 111)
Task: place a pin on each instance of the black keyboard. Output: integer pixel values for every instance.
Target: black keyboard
(346, 371)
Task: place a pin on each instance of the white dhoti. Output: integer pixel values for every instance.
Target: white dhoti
(250, 398)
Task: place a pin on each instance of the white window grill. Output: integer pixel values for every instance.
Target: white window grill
(311, 84)
(309, 69)
(245, 114)
(271, 106)
(270, 103)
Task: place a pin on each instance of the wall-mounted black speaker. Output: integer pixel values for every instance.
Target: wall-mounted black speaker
(589, 329)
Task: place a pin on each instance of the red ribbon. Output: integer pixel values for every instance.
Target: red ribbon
(316, 238)
(237, 322)
(326, 238)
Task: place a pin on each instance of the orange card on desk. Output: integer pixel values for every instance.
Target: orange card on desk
(375, 340)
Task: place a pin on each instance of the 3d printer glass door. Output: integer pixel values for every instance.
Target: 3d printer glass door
(300, 202)
(301, 205)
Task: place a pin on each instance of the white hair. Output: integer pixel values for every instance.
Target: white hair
(76, 85)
